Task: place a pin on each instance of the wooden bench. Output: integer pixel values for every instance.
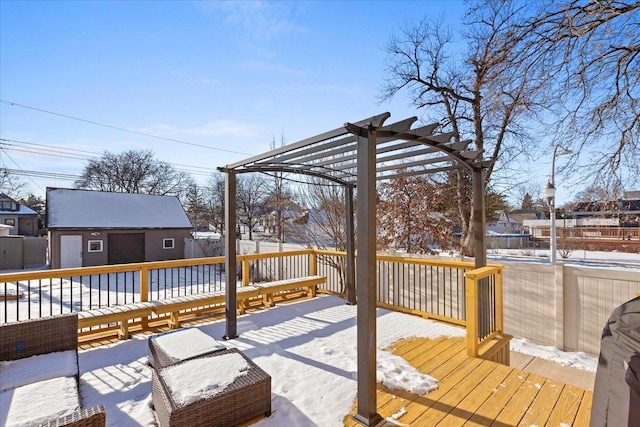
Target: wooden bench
(244, 294)
(174, 306)
(268, 289)
(118, 313)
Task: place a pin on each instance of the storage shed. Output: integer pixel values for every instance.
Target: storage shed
(89, 228)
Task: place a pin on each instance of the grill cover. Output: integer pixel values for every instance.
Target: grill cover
(616, 394)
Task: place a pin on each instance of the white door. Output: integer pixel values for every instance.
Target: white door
(70, 251)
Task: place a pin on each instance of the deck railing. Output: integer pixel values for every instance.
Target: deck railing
(484, 307)
(451, 291)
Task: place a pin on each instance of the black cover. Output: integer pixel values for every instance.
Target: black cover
(616, 394)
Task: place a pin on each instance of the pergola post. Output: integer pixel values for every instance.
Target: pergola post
(366, 280)
(351, 251)
(230, 255)
(479, 246)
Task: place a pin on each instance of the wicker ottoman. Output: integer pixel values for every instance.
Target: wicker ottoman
(173, 347)
(247, 397)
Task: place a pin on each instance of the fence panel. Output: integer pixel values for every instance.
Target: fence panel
(529, 301)
(34, 251)
(591, 295)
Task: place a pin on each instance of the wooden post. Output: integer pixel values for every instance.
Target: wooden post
(499, 299)
(472, 316)
(479, 248)
(366, 281)
(351, 251)
(230, 255)
(313, 264)
(144, 292)
(246, 271)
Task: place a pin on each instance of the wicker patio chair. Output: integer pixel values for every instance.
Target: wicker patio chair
(44, 335)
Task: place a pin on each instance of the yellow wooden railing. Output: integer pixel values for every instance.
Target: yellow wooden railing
(484, 295)
(433, 288)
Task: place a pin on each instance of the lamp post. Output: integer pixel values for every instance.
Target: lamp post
(549, 193)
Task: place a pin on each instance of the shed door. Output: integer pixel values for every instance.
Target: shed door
(70, 251)
(126, 248)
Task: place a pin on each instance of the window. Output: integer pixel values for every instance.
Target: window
(95, 245)
(6, 205)
(10, 221)
(168, 243)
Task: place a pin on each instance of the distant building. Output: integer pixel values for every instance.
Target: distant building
(89, 228)
(514, 221)
(22, 220)
(625, 211)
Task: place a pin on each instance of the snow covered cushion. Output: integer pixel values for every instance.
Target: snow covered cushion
(16, 373)
(186, 344)
(39, 402)
(188, 384)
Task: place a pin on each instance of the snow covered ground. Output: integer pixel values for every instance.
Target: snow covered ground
(624, 260)
(308, 348)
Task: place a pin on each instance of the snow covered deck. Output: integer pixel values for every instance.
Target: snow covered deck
(308, 347)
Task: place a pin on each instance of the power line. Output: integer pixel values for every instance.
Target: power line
(75, 154)
(15, 104)
(40, 174)
(20, 170)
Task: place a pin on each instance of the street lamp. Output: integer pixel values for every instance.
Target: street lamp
(549, 193)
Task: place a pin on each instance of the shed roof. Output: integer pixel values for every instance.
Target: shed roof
(68, 208)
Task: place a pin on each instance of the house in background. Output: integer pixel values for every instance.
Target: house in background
(89, 228)
(22, 219)
(514, 221)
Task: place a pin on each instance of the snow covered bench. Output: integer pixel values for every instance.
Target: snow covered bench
(268, 289)
(175, 305)
(119, 313)
(39, 375)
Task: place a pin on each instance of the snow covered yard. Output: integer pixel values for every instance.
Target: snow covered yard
(308, 348)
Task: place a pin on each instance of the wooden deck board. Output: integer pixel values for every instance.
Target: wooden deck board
(475, 392)
(545, 400)
(567, 406)
(502, 393)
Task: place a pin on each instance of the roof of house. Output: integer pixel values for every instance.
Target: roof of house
(67, 208)
(22, 209)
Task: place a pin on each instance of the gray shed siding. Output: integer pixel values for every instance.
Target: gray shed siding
(154, 250)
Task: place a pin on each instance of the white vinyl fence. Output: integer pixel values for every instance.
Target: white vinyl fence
(564, 306)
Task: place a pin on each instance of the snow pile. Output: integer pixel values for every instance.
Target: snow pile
(395, 373)
(577, 359)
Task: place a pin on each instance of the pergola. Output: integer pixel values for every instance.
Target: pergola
(356, 155)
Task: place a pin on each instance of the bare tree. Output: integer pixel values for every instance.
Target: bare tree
(591, 52)
(252, 191)
(133, 171)
(194, 205)
(326, 224)
(280, 198)
(214, 201)
(485, 92)
(11, 185)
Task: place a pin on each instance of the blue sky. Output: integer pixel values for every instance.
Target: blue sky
(226, 78)
(226, 75)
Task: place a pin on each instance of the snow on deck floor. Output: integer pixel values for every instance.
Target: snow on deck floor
(308, 348)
